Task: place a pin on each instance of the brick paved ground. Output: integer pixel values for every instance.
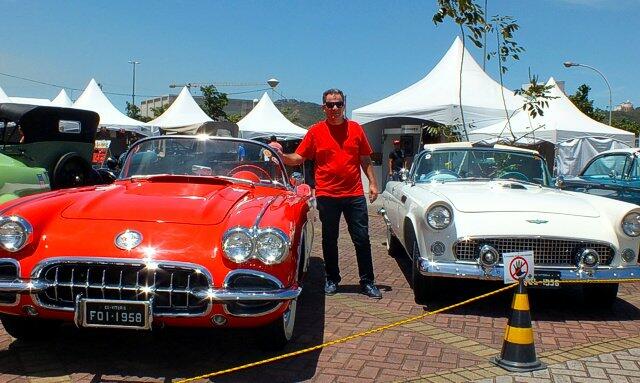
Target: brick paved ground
(577, 343)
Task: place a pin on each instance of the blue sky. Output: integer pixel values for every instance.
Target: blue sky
(370, 49)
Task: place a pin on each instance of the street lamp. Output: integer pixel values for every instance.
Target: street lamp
(570, 64)
(133, 91)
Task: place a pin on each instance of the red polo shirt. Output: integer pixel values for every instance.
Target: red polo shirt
(336, 150)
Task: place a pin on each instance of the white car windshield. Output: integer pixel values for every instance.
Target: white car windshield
(465, 164)
(204, 156)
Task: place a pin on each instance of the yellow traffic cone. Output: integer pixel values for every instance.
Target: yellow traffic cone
(518, 352)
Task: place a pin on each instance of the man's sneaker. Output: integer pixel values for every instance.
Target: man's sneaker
(330, 287)
(370, 290)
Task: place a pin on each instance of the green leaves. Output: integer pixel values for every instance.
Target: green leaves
(536, 96)
(214, 102)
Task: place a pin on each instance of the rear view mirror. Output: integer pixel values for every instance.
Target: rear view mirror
(296, 179)
(559, 182)
(303, 190)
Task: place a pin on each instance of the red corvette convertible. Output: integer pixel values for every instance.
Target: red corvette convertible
(197, 231)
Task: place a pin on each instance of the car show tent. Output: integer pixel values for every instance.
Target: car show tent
(265, 120)
(183, 116)
(436, 96)
(3, 96)
(92, 98)
(576, 137)
(62, 99)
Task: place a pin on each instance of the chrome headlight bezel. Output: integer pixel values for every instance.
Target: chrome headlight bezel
(282, 249)
(435, 213)
(631, 224)
(25, 232)
(253, 238)
(238, 232)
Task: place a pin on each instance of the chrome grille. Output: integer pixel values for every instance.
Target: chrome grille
(171, 286)
(546, 251)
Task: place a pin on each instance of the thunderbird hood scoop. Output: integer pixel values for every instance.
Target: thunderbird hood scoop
(200, 204)
(510, 196)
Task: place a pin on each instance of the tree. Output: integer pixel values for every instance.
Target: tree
(234, 117)
(158, 110)
(291, 114)
(581, 100)
(214, 102)
(133, 111)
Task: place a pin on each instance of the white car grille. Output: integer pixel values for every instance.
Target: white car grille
(546, 251)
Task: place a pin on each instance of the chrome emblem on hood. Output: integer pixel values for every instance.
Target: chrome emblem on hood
(128, 239)
(537, 221)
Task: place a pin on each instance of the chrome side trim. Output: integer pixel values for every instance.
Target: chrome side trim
(262, 212)
(17, 265)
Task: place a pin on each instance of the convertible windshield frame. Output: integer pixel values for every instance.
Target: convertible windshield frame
(452, 172)
(261, 155)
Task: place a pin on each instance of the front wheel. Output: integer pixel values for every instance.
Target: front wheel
(602, 295)
(27, 328)
(277, 334)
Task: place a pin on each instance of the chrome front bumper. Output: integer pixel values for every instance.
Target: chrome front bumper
(474, 271)
(20, 286)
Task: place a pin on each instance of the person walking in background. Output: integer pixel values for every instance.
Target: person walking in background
(273, 142)
(397, 161)
(339, 149)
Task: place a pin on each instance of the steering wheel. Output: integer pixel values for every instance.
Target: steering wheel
(240, 172)
(514, 175)
(440, 175)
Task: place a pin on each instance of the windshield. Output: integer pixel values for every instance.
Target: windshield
(461, 164)
(204, 156)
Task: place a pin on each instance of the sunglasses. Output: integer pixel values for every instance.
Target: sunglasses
(331, 105)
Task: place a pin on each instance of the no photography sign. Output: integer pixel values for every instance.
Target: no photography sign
(517, 266)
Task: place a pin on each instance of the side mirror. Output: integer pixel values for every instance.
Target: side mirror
(303, 190)
(111, 163)
(296, 179)
(560, 182)
(404, 174)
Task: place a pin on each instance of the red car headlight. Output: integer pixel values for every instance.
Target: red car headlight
(15, 233)
(272, 245)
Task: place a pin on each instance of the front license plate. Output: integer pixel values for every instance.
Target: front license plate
(115, 314)
(547, 279)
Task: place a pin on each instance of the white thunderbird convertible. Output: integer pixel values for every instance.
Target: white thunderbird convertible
(462, 206)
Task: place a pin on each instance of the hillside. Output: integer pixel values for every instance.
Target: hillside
(300, 112)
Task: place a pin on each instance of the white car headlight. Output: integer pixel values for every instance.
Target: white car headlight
(439, 217)
(631, 224)
(237, 245)
(15, 233)
(271, 246)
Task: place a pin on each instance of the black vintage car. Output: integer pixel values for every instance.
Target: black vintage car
(58, 139)
(614, 174)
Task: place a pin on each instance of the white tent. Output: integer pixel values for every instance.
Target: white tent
(183, 116)
(436, 96)
(62, 100)
(3, 96)
(577, 137)
(31, 101)
(265, 120)
(93, 99)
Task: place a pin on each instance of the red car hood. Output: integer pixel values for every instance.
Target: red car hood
(194, 203)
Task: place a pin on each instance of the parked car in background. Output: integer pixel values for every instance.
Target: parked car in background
(462, 207)
(59, 140)
(613, 174)
(188, 235)
(19, 180)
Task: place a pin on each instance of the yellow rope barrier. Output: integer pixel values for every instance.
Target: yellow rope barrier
(347, 338)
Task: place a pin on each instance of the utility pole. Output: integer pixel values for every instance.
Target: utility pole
(133, 91)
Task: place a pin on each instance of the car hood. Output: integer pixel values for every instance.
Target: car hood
(200, 204)
(509, 196)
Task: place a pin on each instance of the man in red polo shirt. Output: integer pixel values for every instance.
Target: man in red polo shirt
(339, 149)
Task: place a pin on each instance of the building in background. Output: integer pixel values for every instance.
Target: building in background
(626, 106)
(235, 106)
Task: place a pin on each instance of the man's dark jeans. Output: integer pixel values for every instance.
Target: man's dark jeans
(355, 213)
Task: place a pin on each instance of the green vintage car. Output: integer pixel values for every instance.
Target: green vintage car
(19, 180)
(59, 140)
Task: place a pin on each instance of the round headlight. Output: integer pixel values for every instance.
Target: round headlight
(439, 217)
(271, 246)
(631, 224)
(15, 233)
(237, 245)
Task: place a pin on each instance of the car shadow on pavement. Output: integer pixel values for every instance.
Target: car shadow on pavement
(562, 304)
(110, 355)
